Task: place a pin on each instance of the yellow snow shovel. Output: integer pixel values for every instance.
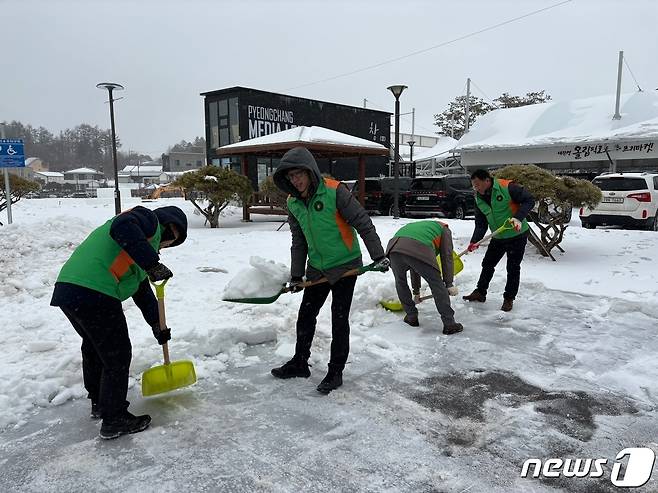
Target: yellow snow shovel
(173, 374)
(396, 306)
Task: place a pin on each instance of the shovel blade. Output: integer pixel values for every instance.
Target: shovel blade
(391, 305)
(165, 378)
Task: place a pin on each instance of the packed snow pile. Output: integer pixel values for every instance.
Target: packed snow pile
(263, 279)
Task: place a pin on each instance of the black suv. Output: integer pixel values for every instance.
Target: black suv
(449, 195)
(379, 194)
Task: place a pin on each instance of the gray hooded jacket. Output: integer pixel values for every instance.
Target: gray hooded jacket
(346, 205)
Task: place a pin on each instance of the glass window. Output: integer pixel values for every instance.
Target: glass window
(214, 128)
(234, 119)
(223, 107)
(198, 163)
(223, 137)
(620, 184)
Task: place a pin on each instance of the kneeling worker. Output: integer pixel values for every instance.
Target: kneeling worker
(415, 247)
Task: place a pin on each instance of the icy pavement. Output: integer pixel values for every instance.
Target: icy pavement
(455, 414)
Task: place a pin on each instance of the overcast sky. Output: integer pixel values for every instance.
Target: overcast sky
(165, 53)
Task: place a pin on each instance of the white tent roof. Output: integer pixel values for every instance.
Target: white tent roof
(317, 135)
(439, 151)
(565, 122)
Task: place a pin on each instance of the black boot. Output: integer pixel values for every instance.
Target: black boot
(508, 303)
(294, 368)
(452, 328)
(123, 424)
(332, 381)
(476, 295)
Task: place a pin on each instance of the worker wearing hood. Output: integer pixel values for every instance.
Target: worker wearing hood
(324, 221)
(114, 263)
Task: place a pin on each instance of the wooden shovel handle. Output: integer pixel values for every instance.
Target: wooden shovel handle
(159, 294)
(351, 272)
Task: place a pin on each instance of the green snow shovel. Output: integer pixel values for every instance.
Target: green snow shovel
(284, 289)
(396, 306)
(173, 374)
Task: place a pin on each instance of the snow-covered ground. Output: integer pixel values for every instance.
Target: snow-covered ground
(571, 372)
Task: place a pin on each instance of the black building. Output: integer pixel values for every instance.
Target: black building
(239, 113)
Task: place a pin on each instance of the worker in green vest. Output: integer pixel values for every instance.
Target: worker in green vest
(114, 263)
(498, 201)
(415, 248)
(324, 221)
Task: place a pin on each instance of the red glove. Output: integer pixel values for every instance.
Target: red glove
(473, 246)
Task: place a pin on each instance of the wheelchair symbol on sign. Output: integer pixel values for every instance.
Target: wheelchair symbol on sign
(11, 151)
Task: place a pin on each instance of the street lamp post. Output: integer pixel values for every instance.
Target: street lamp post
(397, 91)
(411, 158)
(111, 86)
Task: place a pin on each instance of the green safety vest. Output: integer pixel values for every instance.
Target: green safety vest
(502, 208)
(99, 263)
(331, 241)
(426, 232)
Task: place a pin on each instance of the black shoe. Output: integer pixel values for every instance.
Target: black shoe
(452, 328)
(508, 303)
(476, 295)
(95, 411)
(124, 424)
(292, 369)
(411, 320)
(331, 382)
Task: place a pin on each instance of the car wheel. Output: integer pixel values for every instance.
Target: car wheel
(459, 212)
(654, 224)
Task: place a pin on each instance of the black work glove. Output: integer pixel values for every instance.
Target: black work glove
(159, 272)
(382, 264)
(294, 284)
(161, 335)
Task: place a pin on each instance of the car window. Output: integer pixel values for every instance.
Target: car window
(655, 182)
(461, 183)
(428, 184)
(373, 186)
(388, 184)
(620, 184)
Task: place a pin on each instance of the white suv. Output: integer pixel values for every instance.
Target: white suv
(629, 199)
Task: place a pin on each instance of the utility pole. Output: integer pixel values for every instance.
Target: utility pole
(468, 104)
(6, 174)
(619, 69)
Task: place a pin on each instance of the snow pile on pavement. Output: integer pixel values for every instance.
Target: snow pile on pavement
(265, 278)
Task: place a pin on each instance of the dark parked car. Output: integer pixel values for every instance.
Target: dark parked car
(379, 194)
(449, 196)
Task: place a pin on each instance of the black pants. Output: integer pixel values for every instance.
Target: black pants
(106, 352)
(515, 249)
(341, 301)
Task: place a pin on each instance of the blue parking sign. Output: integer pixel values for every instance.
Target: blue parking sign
(12, 153)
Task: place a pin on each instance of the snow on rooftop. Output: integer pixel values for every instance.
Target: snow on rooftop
(145, 170)
(566, 122)
(316, 135)
(50, 173)
(439, 150)
(82, 170)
